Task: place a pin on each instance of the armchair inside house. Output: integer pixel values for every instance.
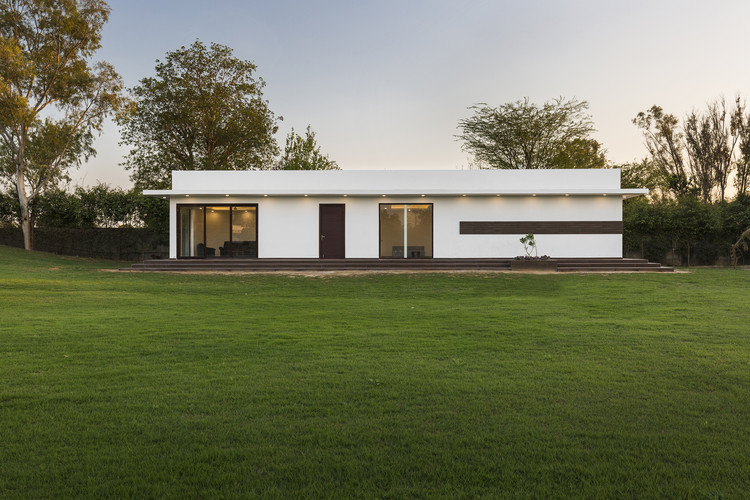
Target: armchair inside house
(239, 249)
(204, 251)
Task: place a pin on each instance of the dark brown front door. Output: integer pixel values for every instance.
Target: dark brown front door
(332, 231)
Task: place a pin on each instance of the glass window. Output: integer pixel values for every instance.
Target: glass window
(244, 231)
(217, 231)
(406, 231)
(191, 231)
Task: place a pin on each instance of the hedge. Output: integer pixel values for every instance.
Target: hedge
(105, 243)
(684, 231)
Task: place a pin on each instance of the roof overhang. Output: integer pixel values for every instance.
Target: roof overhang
(233, 193)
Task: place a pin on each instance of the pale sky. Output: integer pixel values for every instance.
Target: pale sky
(384, 83)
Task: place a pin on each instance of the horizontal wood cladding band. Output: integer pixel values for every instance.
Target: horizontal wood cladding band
(541, 227)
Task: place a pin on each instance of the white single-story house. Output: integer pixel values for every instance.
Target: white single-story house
(395, 214)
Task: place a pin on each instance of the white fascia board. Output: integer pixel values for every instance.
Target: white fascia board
(628, 193)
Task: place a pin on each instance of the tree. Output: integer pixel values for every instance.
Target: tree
(711, 139)
(699, 155)
(51, 98)
(204, 110)
(742, 173)
(664, 142)
(523, 135)
(643, 174)
(304, 154)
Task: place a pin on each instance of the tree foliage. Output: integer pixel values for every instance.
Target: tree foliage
(698, 155)
(204, 110)
(524, 135)
(99, 206)
(304, 154)
(664, 142)
(643, 174)
(51, 97)
(684, 230)
(742, 173)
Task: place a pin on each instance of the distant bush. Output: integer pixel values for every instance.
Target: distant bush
(100, 221)
(685, 231)
(100, 206)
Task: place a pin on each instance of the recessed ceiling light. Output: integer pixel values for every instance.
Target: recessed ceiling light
(305, 196)
(265, 196)
(226, 195)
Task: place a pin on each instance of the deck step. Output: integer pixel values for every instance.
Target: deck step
(317, 265)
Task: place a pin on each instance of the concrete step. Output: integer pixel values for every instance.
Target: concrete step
(651, 269)
(259, 265)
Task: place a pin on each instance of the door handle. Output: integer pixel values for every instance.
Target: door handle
(322, 237)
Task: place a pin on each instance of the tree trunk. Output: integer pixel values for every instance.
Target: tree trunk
(25, 213)
(23, 199)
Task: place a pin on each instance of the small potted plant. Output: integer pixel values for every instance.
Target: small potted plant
(530, 262)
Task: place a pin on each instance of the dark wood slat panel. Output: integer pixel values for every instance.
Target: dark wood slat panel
(541, 227)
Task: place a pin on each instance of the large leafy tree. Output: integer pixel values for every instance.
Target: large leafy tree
(204, 110)
(524, 135)
(52, 98)
(303, 153)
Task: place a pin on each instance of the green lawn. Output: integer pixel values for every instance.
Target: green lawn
(382, 385)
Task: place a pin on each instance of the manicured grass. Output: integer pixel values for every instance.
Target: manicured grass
(411, 385)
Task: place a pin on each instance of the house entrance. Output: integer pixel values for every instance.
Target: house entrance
(332, 225)
(406, 231)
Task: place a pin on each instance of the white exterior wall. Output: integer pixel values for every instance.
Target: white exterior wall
(450, 211)
(288, 226)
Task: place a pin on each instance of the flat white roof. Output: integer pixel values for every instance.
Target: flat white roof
(553, 182)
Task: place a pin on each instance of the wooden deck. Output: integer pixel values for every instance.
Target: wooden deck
(268, 265)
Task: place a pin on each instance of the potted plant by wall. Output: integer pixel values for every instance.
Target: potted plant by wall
(529, 262)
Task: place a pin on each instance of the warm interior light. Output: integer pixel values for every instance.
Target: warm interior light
(605, 194)
(533, 194)
(401, 207)
(226, 195)
(566, 194)
(265, 196)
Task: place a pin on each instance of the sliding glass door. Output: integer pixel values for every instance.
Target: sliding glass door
(405, 231)
(191, 228)
(217, 231)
